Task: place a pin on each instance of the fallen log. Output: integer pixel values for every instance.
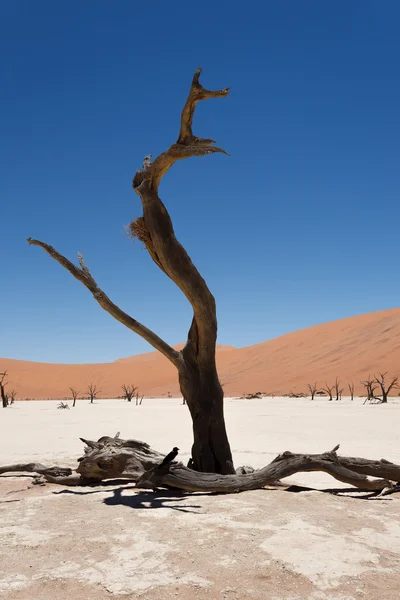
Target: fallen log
(115, 458)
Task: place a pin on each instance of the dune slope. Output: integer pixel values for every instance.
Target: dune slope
(349, 348)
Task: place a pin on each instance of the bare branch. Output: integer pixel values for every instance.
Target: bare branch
(197, 93)
(328, 389)
(385, 386)
(312, 387)
(84, 276)
(129, 391)
(93, 392)
(370, 385)
(157, 231)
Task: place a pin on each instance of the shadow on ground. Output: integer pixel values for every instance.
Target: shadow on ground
(143, 500)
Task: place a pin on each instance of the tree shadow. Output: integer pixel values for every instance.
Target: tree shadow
(344, 492)
(150, 500)
(143, 499)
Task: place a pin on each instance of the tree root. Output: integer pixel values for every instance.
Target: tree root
(114, 458)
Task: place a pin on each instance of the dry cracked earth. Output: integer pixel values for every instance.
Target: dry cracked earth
(116, 542)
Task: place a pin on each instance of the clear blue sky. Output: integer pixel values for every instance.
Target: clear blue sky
(299, 226)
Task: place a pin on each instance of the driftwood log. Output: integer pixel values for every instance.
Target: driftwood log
(114, 458)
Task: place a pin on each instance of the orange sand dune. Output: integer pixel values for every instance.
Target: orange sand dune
(350, 348)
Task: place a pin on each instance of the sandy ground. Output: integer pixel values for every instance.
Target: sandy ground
(116, 542)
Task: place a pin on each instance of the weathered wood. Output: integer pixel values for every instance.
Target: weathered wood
(352, 471)
(36, 468)
(115, 458)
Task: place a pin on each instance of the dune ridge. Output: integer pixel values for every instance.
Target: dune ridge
(350, 348)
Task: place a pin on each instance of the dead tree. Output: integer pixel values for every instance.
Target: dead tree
(129, 391)
(74, 394)
(63, 405)
(114, 458)
(328, 389)
(93, 392)
(3, 383)
(386, 386)
(370, 385)
(338, 389)
(195, 364)
(139, 400)
(351, 389)
(12, 394)
(292, 394)
(312, 387)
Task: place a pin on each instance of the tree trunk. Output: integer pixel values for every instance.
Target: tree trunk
(204, 396)
(4, 398)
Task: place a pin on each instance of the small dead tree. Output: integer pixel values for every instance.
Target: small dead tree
(93, 392)
(312, 387)
(3, 383)
(338, 390)
(328, 389)
(351, 389)
(370, 385)
(63, 405)
(386, 386)
(130, 391)
(74, 394)
(11, 396)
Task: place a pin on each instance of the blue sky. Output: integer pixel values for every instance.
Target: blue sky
(299, 226)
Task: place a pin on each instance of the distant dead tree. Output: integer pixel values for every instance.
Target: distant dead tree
(296, 394)
(3, 383)
(139, 400)
(370, 385)
(11, 396)
(252, 396)
(63, 405)
(351, 389)
(338, 389)
(130, 391)
(386, 386)
(93, 392)
(328, 389)
(312, 389)
(74, 394)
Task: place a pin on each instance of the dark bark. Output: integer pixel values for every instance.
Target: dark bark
(312, 387)
(338, 389)
(74, 394)
(370, 386)
(4, 397)
(130, 391)
(196, 363)
(93, 392)
(386, 387)
(328, 389)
